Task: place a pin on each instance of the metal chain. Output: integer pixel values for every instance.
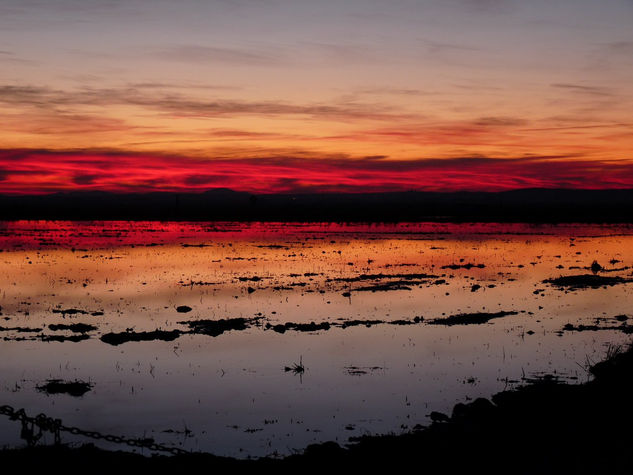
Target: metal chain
(55, 426)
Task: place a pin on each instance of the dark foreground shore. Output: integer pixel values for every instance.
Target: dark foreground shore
(543, 427)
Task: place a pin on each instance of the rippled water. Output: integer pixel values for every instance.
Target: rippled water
(377, 360)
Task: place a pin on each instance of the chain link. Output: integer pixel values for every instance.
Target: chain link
(55, 426)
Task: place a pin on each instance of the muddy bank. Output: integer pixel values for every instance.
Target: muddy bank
(543, 427)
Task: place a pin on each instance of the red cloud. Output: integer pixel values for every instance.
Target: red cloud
(40, 171)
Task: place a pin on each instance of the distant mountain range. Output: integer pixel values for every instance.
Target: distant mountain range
(528, 205)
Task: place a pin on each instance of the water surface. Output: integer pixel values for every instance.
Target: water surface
(377, 359)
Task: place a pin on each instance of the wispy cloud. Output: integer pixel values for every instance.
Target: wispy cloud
(620, 47)
(9, 57)
(584, 89)
(488, 6)
(60, 123)
(174, 103)
(392, 91)
(188, 85)
(199, 54)
(467, 132)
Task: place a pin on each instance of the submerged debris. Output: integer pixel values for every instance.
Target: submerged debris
(191, 283)
(75, 388)
(623, 327)
(70, 311)
(595, 267)
(296, 368)
(360, 370)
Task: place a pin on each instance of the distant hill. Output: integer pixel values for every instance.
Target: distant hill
(529, 205)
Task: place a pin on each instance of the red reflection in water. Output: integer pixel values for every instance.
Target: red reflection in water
(108, 234)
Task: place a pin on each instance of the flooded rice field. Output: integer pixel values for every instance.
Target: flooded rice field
(252, 339)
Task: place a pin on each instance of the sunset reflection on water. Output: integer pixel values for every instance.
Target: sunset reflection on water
(231, 390)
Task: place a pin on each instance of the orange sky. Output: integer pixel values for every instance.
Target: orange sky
(285, 96)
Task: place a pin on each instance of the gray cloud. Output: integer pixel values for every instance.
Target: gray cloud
(489, 6)
(213, 54)
(186, 106)
(437, 47)
(9, 57)
(622, 47)
(500, 121)
(582, 89)
(386, 90)
(165, 85)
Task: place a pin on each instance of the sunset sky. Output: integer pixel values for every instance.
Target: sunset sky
(295, 95)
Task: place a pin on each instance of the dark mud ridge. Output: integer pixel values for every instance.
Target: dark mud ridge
(217, 327)
(464, 266)
(72, 388)
(470, 318)
(586, 281)
(545, 427)
(312, 326)
(73, 327)
(618, 323)
(124, 337)
(196, 327)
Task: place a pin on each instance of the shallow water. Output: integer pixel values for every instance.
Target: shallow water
(229, 394)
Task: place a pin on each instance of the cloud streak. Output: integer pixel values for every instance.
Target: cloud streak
(173, 103)
(210, 54)
(41, 171)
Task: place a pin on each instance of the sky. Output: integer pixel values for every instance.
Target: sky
(298, 96)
